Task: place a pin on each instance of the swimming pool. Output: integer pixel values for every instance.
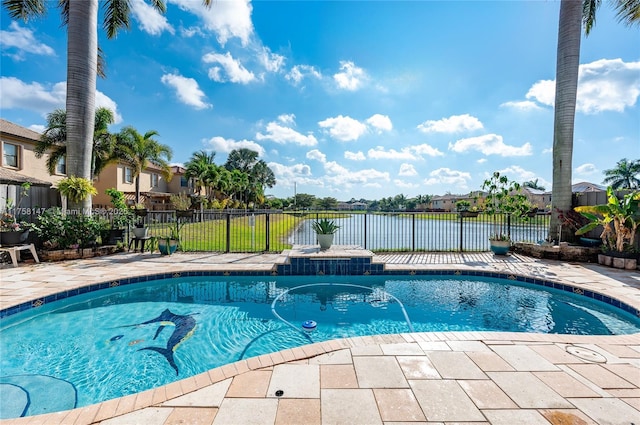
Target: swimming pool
(124, 340)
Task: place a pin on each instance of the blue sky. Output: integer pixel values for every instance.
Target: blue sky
(363, 99)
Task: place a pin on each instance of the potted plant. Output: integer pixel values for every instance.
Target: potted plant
(325, 230)
(503, 196)
(75, 189)
(121, 216)
(619, 219)
(182, 203)
(140, 209)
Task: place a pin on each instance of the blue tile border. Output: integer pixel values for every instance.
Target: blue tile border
(302, 267)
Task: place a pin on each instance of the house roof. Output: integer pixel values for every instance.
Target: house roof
(586, 187)
(10, 176)
(7, 127)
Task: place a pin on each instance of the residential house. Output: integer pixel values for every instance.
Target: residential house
(20, 165)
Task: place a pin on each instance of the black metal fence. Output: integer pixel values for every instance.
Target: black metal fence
(273, 231)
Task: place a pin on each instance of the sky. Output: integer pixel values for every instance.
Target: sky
(348, 99)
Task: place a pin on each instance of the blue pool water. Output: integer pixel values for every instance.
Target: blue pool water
(124, 340)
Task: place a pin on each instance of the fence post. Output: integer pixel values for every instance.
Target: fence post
(228, 232)
(365, 230)
(509, 225)
(461, 230)
(266, 230)
(413, 231)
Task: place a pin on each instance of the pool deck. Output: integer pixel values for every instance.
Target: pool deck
(418, 378)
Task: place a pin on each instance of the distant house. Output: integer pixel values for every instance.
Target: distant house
(352, 206)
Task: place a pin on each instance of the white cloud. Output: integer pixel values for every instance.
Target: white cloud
(453, 124)
(603, 85)
(448, 177)
(288, 175)
(272, 62)
(234, 71)
(220, 144)
(490, 144)
(547, 150)
(351, 77)
(344, 129)
(425, 149)
(317, 155)
(407, 170)
(481, 160)
(187, 90)
(289, 119)
(150, 20)
(16, 94)
(300, 72)
(524, 105)
(228, 19)
(23, 40)
(379, 152)
(340, 176)
(380, 122)
(354, 156)
(281, 134)
(405, 185)
(586, 169)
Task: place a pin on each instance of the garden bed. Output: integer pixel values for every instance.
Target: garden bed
(564, 252)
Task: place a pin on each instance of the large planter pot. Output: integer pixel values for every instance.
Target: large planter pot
(14, 238)
(167, 246)
(325, 241)
(500, 247)
(140, 232)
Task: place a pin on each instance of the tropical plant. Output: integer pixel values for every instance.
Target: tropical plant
(624, 176)
(54, 141)
(121, 215)
(181, 201)
(572, 14)
(503, 196)
(203, 170)
(76, 189)
(9, 219)
(619, 219)
(325, 226)
(533, 184)
(463, 205)
(139, 150)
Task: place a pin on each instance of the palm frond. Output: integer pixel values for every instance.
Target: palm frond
(25, 9)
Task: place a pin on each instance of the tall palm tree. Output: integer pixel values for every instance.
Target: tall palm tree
(81, 19)
(573, 13)
(624, 176)
(241, 159)
(54, 140)
(139, 150)
(533, 184)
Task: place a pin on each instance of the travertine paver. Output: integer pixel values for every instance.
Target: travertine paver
(295, 381)
(512, 417)
(607, 411)
(418, 367)
(379, 372)
(211, 396)
(455, 365)
(490, 362)
(601, 376)
(528, 391)
(398, 405)
(349, 407)
(523, 358)
(444, 400)
(338, 376)
(251, 384)
(191, 416)
(247, 411)
(294, 411)
(565, 385)
(148, 416)
(487, 395)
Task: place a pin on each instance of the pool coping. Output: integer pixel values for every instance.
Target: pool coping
(627, 293)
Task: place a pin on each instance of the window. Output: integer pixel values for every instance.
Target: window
(154, 179)
(184, 182)
(128, 175)
(10, 155)
(61, 167)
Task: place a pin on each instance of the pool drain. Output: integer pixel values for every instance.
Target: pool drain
(586, 354)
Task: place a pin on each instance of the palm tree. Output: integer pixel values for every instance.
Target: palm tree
(81, 19)
(572, 14)
(241, 159)
(199, 168)
(140, 150)
(260, 177)
(54, 141)
(533, 184)
(624, 175)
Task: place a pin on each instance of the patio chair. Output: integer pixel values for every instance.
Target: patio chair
(14, 252)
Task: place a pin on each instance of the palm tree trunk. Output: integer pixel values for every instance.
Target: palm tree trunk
(82, 58)
(567, 65)
(138, 189)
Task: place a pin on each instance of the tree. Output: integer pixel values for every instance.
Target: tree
(303, 200)
(260, 177)
(200, 168)
(81, 19)
(139, 150)
(241, 159)
(624, 175)
(54, 141)
(328, 203)
(572, 14)
(533, 184)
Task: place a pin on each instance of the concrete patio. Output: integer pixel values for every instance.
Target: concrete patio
(418, 378)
